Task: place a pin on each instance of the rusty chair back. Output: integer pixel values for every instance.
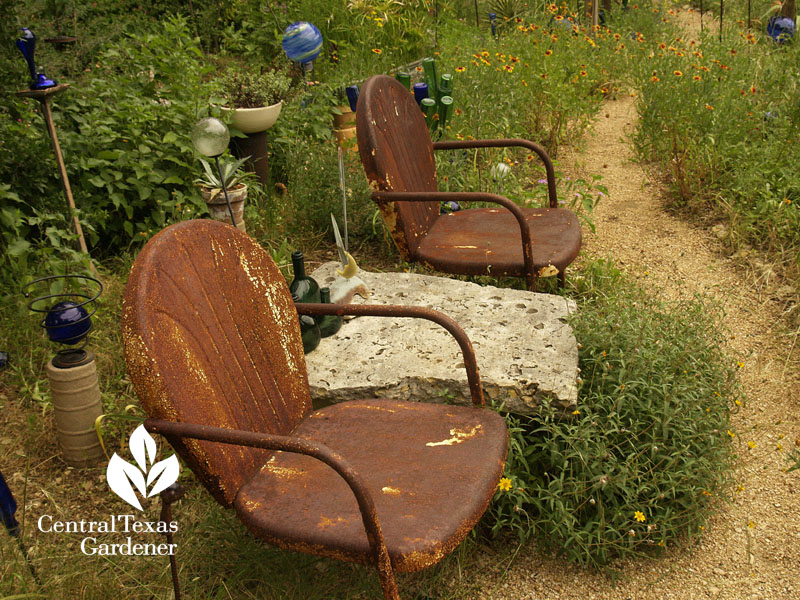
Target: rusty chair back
(213, 348)
(397, 153)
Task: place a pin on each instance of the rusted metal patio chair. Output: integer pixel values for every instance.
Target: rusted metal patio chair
(213, 348)
(397, 155)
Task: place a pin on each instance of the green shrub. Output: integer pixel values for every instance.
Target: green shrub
(649, 452)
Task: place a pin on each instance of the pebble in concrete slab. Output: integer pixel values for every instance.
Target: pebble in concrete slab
(526, 352)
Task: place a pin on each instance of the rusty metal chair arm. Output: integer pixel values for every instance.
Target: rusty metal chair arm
(418, 312)
(295, 445)
(524, 227)
(507, 143)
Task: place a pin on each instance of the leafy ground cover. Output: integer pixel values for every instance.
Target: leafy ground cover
(579, 486)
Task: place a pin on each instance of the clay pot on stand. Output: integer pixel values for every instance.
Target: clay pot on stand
(215, 199)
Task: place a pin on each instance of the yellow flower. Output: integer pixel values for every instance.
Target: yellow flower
(460, 69)
(751, 444)
(576, 412)
(377, 51)
(508, 68)
(639, 516)
(548, 52)
(504, 484)
(730, 433)
(677, 74)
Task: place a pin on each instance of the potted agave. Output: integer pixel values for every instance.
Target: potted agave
(235, 181)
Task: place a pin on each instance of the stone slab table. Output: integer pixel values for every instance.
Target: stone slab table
(525, 349)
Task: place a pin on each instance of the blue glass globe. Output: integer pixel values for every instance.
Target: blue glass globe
(67, 323)
(302, 42)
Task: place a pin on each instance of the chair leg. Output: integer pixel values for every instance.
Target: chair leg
(562, 279)
(388, 583)
(172, 494)
(530, 280)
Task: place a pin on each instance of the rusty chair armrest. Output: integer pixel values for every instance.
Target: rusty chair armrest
(524, 227)
(295, 445)
(507, 143)
(418, 312)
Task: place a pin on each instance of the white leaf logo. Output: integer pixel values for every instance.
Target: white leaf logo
(123, 477)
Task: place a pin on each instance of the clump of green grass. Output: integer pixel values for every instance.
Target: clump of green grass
(648, 453)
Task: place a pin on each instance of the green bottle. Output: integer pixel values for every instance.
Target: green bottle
(429, 69)
(445, 86)
(309, 330)
(302, 286)
(445, 111)
(405, 78)
(328, 324)
(428, 106)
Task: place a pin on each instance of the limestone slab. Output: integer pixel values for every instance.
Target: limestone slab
(526, 351)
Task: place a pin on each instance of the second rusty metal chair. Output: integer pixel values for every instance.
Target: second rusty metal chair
(397, 154)
(213, 348)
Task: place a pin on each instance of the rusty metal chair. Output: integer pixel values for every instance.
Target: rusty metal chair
(397, 155)
(213, 348)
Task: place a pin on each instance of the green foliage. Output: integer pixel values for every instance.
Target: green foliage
(230, 174)
(731, 146)
(248, 88)
(648, 453)
(123, 134)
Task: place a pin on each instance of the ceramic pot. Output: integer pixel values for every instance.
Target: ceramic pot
(219, 208)
(254, 120)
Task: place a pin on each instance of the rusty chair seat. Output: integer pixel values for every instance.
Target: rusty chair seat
(488, 240)
(398, 157)
(213, 349)
(429, 468)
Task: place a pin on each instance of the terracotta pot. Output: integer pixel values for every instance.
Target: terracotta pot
(346, 119)
(219, 208)
(345, 129)
(254, 120)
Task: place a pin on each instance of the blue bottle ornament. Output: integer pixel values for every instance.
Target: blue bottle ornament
(27, 45)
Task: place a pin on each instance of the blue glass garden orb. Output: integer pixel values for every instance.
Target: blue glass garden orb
(67, 323)
(302, 42)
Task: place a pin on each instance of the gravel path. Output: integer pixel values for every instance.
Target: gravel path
(751, 548)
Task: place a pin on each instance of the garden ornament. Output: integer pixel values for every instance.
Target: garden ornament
(348, 283)
(210, 137)
(72, 372)
(302, 43)
(42, 89)
(781, 29)
(343, 186)
(352, 96)
(27, 45)
(8, 509)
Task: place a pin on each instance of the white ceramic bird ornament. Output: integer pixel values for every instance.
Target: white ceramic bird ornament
(348, 283)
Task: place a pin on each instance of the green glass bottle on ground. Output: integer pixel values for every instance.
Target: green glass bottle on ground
(329, 324)
(309, 330)
(302, 286)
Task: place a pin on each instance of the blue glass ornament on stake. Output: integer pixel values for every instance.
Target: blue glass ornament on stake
(69, 321)
(493, 23)
(27, 45)
(302, 43)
